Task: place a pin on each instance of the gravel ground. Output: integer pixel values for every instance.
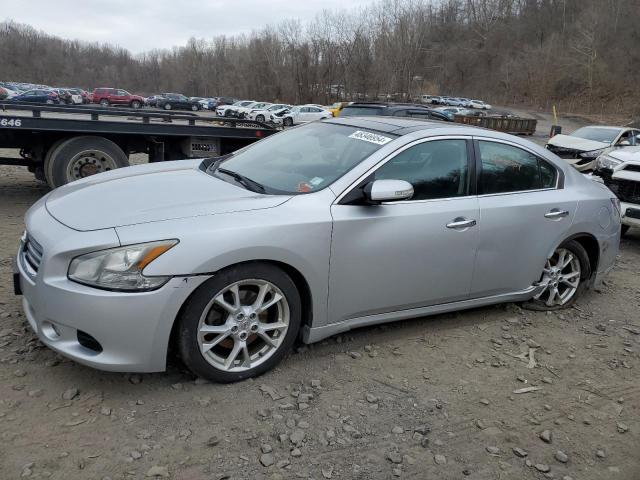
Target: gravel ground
(429, 398)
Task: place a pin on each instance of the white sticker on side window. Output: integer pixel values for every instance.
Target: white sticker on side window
(370, 137)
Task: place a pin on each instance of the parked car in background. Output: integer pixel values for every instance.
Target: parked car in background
(231, 110)
(303, 114)
(306, 234)
(336, 108)
(264, 114)
(84, 95)
(276, 115)
(619, 169)
(582, 147)
(39, 95)
(394, 110)
(114, 96)
(9, 91)
(69, 97)
(204, 102)
(177, 101)
(219, 101)
(243, 112)
(151, 100)
(451, 112)
(479, 104)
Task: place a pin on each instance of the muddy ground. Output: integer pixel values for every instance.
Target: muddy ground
(433, 398)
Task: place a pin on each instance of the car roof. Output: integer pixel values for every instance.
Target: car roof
(395, 125)
(603, 127)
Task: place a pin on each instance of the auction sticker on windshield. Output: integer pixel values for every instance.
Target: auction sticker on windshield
(370, 137)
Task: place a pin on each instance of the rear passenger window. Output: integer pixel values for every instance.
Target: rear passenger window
(506, 168)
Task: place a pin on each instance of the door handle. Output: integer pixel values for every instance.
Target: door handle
(461, 222)
(555, 213)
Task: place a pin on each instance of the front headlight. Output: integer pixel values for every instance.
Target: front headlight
(605, 161)
(591, 154)
(120, 268)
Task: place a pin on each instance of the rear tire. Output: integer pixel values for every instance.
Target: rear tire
(79, 157)
(135, 104)
(167, 106)
(104, 102)
(195, 107)
(209, 353)
(565, 276)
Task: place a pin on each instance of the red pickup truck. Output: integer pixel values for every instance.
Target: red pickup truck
(115, 96)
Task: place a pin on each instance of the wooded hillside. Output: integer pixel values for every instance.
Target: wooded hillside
(582, 54)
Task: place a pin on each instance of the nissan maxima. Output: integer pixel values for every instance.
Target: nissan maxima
(310, 232)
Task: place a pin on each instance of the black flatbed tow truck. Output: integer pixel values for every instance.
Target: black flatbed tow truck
(59, 144)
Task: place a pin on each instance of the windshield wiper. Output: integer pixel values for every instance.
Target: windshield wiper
(247, 182)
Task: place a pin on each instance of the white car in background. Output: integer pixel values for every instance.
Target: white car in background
(620, 171)
(232, 110)
(263, 114)
(478, 104)
(581, 148)
(304, 114)
(243, 112)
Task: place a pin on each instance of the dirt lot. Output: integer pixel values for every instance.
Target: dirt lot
(430, 398)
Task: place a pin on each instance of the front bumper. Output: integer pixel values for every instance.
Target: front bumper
(132, 330)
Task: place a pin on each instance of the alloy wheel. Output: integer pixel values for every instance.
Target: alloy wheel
(560, 278)
(243, 325)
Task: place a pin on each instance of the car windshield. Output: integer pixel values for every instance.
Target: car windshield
(304, 159)
(355, 111)
(606, 135)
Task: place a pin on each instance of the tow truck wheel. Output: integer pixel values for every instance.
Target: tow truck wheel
(80, 157)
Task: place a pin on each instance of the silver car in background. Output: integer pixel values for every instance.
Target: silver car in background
(311, 232)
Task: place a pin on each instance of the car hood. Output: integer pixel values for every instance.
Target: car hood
(150, 193)
(576, 143)
(626, 154)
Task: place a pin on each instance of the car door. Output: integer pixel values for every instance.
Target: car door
(525, 215)
(407, 254)
(119, 97)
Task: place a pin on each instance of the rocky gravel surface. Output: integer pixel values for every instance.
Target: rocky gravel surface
(490, 393)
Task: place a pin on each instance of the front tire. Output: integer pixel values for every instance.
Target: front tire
(135, 104)
(260, 118)
(240, 323)
(288, 122)
(195, 107)
(167, 106)
(104, 102)
(564, 277)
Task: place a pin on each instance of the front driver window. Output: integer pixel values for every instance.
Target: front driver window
(436, 169)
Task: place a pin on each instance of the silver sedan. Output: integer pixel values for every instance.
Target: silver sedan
(311, 232)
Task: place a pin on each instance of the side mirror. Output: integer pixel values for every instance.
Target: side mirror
(380, 191)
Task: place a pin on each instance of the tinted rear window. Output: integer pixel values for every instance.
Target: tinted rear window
(360, 111)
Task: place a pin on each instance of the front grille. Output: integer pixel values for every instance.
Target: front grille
(567, 153)
(32, 252)
(626, 190)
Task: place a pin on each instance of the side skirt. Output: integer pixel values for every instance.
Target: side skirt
(315, 334)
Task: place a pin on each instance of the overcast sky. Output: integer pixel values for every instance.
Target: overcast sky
(140, 25)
